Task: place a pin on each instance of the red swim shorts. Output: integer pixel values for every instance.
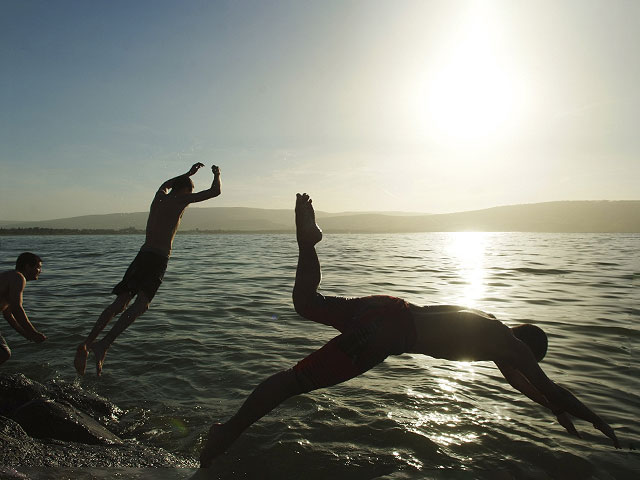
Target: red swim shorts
(372, 329)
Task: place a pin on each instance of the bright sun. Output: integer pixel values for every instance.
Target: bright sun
(473, 95)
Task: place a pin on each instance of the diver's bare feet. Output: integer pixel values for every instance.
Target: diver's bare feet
(307, 231)
(218, 440)
(80, 362)
(100, 351)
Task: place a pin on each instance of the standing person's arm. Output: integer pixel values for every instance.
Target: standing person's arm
(522, 370)
(15, 314)
(166, 186)
(8, 316)
(211, 192)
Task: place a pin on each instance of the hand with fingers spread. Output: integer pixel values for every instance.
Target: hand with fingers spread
(564, 419)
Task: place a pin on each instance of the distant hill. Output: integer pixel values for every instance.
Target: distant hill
(569, 216)
(574, 216)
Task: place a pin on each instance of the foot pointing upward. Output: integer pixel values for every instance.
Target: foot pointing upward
(308, 233)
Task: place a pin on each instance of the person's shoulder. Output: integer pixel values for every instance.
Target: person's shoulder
(11, 274)
(498, 337)
(13, 278)
(512, 349)
(19, 277)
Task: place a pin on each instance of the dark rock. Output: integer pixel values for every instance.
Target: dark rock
(44, 418)
(9, 428)
(18, 450)
(16, 390)
(10, 473)
(87, 402)
(57, 426)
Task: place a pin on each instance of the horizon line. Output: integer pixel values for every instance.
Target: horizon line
(354, 212)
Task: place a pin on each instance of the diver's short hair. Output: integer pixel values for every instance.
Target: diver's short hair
(181, 183)
(534, 337)
(27, 258)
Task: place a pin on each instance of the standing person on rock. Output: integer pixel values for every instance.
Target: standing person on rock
(12, 283)
(144, 276)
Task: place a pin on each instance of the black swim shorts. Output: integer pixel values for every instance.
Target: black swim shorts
(145, 274)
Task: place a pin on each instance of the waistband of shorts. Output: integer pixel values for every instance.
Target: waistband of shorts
(410, 326)
(407, 325)
(155, 251)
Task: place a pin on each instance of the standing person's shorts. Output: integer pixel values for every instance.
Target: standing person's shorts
(372, 328)
(145, 275)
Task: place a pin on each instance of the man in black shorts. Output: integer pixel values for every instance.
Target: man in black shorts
(372, 328)
(144, 276)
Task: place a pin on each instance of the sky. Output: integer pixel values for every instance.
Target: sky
(417, 106)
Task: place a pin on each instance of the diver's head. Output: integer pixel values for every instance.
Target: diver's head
(534, 337)
(182, 185)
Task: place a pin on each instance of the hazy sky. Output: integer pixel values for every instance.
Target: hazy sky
(432, 106)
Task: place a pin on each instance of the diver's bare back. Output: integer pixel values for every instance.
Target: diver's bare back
(458, 334)
(164, 218)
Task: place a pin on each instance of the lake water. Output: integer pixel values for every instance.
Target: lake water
(223, 321)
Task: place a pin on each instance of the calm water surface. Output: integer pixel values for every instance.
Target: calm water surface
(223, 321)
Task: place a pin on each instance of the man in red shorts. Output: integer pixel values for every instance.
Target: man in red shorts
(372, 328)
(144, 276)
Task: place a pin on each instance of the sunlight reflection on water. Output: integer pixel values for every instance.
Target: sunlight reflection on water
(469, 251)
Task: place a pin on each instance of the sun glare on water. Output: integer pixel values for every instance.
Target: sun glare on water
(468, 251)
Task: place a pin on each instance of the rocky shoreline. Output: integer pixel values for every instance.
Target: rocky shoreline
(60, 425)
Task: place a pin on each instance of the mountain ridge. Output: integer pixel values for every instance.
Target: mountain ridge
(621, 216)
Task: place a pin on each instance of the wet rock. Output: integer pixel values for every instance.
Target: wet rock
(17, 449)
(51, 412)
(45, 418)
(94, 405)
(11, 429)
(10, 473)
(57, 425)
(16, 390)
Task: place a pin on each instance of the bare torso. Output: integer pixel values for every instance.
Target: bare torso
(458, 334)
(8, 278)
(164, 218)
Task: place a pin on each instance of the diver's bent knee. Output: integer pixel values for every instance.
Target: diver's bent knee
(301, 308)
(305, 306)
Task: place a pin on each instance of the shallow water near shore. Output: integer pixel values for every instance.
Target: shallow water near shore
(223, 321)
